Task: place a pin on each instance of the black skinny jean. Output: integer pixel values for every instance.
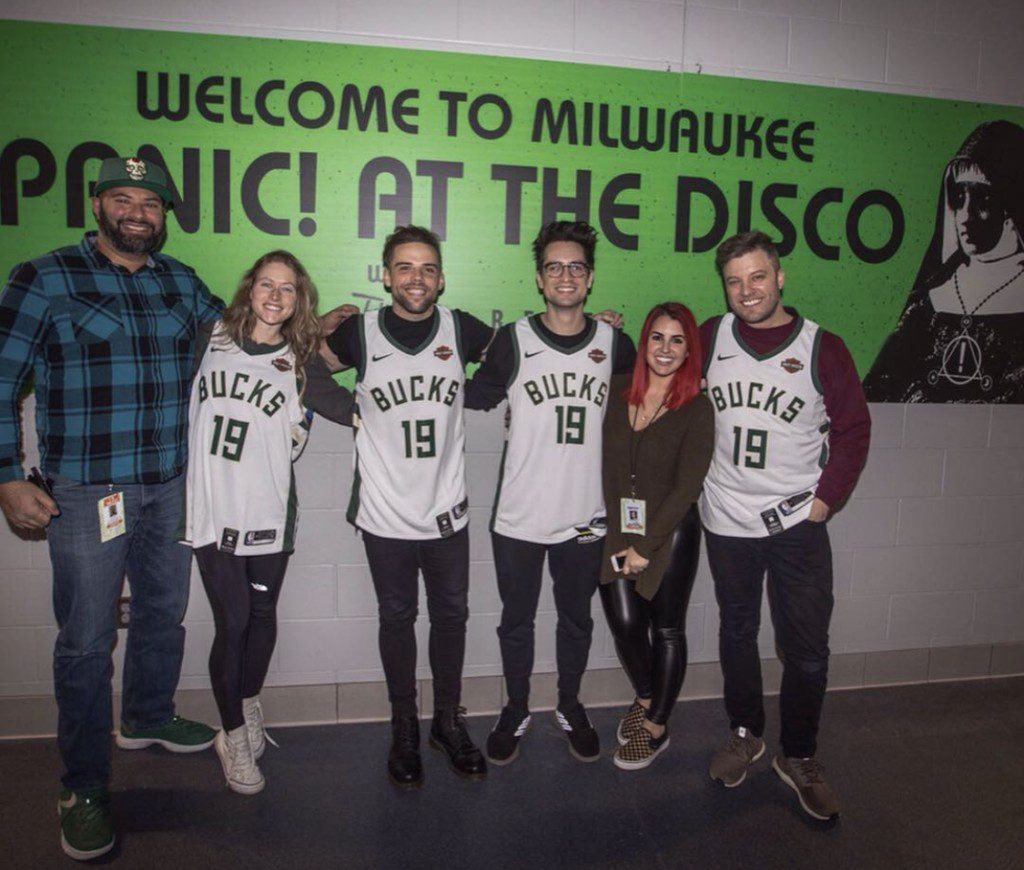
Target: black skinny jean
(798, 563)
(575, 568)
(650, 636)
(395, 566)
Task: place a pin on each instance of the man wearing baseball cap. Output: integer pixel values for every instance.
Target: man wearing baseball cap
(107, 328)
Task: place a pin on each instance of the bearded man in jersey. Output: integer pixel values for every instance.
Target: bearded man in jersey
(791, 435)
(554, 368)
(409, 494)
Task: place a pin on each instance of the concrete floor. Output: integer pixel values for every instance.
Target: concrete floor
(929, 775)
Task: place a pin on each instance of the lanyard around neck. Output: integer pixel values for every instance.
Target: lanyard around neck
(635, 443)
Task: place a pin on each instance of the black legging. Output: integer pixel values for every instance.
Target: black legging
(243, 593)
(656, 667)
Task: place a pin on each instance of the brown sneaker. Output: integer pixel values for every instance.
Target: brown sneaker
(729, 765)
(806, 777)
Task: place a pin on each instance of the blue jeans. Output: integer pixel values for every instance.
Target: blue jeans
(87, 580)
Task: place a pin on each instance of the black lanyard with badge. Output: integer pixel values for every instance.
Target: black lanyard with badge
(633, 519)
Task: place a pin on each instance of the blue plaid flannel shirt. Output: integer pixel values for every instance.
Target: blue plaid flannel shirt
(112, 355)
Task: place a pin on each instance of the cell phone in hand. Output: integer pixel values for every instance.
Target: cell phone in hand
(619, 563)
(36, 477)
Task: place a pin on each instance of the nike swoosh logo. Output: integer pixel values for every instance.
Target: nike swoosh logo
(379, 358)
(532, 353)
(217, 349)
(730, 356)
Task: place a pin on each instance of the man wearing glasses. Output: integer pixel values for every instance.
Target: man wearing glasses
(554, 368)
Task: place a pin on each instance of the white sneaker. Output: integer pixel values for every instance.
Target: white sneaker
(235, 753)
(258, 736)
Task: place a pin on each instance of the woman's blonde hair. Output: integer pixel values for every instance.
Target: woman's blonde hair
(301, 330)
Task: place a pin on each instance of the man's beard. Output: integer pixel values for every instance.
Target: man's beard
(131, 243)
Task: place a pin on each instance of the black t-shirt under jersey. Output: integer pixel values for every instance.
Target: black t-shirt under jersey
(474, 335)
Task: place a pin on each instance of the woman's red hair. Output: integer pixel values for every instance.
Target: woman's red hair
(686, 381)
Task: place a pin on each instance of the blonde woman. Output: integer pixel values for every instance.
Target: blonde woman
(258, 381)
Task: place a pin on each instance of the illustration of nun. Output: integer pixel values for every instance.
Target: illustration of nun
(961, 335)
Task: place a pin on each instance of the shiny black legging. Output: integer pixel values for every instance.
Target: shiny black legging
(650, 636)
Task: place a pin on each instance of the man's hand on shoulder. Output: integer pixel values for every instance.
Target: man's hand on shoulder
(329, 324)
(335, 317)
(26, 506)
(612, 318)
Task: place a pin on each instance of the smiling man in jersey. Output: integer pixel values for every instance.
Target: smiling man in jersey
(554, 368)
(409, 494)
(791, 435)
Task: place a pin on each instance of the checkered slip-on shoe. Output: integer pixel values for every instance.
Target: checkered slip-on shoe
(630, 724)
(639, 752)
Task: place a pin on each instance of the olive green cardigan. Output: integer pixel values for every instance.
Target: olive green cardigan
(672, 458)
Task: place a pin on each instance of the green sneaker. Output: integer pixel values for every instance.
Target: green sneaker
(86, 830)
(178, 735)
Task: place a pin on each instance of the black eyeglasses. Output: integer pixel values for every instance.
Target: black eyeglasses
(554, 269)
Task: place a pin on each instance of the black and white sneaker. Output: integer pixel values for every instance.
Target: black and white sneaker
(584, 743)
(503, 741)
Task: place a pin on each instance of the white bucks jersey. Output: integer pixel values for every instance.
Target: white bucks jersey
(550, 485)
(771, 432)
(410, 443)
(245, 427)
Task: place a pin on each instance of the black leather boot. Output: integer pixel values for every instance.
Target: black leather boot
(405, 769)
(448, 733)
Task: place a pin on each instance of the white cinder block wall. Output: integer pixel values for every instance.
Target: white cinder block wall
(930, 551)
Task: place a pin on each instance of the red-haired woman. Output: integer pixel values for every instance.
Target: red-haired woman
(658, 436)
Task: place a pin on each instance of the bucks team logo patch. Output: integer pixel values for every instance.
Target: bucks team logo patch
(792, 365)
(281, 364)
(598, 355)
(135, 168)
(443, 353)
